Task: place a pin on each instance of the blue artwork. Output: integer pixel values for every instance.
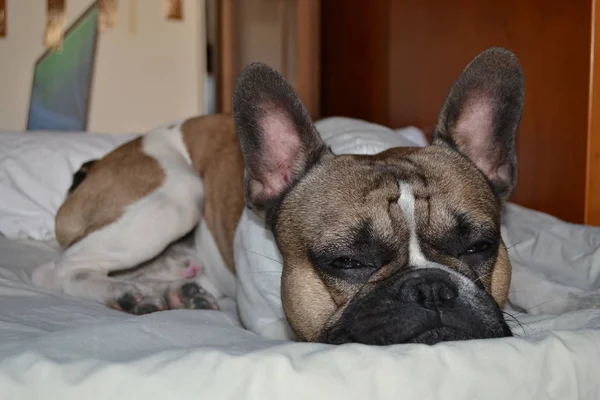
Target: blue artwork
(62, 81)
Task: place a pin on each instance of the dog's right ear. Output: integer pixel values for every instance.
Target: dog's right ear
(481, 117)
(277, 136)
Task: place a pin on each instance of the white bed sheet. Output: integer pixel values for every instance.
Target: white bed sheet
(53, 346)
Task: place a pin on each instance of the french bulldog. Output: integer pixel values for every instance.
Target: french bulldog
(403, 246)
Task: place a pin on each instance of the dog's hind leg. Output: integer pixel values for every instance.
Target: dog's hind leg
(140, 234)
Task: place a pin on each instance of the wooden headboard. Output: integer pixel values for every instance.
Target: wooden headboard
(392, 62)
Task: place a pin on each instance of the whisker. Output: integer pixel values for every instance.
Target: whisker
(512, 318)
(541, 304)
(537, 305)
(513, 245)
(481, 277)
(258, 254)
(522, 325)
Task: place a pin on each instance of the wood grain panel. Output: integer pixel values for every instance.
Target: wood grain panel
(355, 54)
(433, 40)
(403, 55)
(592, 206)
(2, 18)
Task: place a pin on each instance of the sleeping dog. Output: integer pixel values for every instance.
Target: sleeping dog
(399, 247)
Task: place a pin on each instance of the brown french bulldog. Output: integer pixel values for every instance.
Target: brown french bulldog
(398, 247)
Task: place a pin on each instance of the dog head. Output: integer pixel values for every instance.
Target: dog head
(398, 247)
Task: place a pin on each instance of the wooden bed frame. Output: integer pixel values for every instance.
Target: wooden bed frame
(392, 62)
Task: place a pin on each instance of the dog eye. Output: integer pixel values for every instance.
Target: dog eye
(346, 263)
(478, 247)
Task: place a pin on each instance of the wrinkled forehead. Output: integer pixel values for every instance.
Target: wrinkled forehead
(350, 191)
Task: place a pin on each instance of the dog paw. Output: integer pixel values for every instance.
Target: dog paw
(190, 295)
(187, 295)
(138, 304)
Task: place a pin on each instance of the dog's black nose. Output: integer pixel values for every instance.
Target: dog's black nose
(429, 291)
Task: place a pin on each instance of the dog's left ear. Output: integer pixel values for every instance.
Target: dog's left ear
(482, 114)
(277, 136)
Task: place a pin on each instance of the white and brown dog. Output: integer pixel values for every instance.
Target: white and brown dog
(402, 246)
(127, 212)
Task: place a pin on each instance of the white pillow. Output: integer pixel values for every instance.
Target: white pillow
(36, 170)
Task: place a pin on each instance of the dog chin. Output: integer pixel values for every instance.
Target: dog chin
(447, 334)
(428, 336)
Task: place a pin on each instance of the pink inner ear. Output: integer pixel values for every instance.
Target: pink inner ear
(280, 153)
(474, 135)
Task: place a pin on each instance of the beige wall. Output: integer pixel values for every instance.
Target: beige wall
(142, 79)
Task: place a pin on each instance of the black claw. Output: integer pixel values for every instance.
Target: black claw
(200, 303)
(145, 309)
(190, 290)
(127, 302)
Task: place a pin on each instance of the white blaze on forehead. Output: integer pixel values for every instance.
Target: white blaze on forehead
(416, 258)
(406, 201)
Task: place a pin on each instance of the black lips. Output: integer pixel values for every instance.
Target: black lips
(421, 306)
